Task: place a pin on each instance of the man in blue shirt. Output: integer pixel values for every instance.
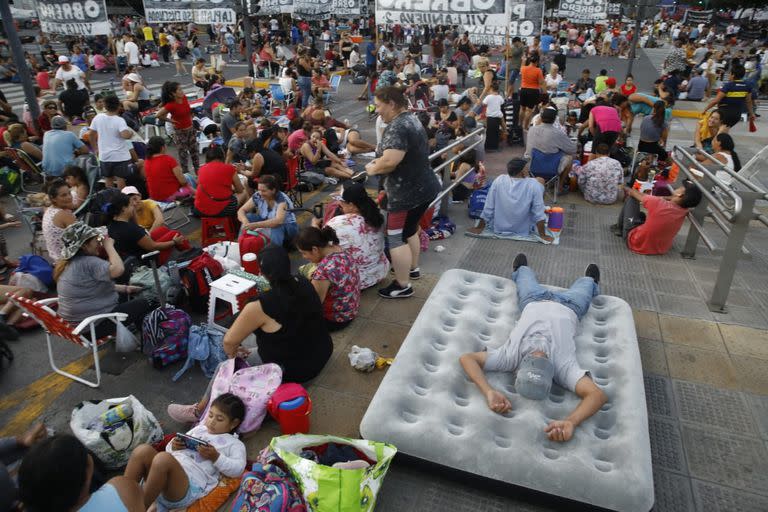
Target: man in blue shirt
(546, 41)
(60, 147)
(515, 204)
(370, 56)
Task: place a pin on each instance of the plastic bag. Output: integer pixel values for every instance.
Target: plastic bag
(363, 359)
(125, 341)
(113, 445)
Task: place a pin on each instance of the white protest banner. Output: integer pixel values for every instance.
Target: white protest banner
(696, 17)
(583, 10)
(614, 9)
(441, 12)
(271, 7)
(524, 21)
(73, 18)
(201, 12)
(312, 9)
(347, 7)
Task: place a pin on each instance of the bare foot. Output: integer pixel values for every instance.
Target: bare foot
(36, 433)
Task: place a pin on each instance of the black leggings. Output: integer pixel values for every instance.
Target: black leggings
(492, 133)
(136, 309)
(652, 147)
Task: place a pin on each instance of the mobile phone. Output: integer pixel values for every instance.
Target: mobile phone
(191, 443)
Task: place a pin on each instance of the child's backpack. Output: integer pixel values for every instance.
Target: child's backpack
(268, 488)
(196, 279)
(477, 201)
(165, 334)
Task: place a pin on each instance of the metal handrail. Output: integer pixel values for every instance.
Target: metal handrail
(457, 156)
(455, 143)
(453, 185)
(737, 201)
(740, 178)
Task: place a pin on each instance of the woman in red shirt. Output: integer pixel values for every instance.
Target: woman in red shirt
(175, 102)
(165, 181)
(628, 87)
(215, 184)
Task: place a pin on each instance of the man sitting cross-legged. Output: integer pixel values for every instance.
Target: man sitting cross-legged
(541, 347)
(515, 204)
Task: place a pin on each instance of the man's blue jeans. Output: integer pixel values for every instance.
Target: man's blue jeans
(577, 297)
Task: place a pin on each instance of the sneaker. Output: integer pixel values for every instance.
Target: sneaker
(414, 274)
(520, 261)
(183, 413)
(395, 291)
(593, 271)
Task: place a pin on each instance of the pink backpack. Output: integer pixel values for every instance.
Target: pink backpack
(254, 385)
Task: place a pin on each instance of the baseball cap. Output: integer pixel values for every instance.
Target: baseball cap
(129, 191)
(63, 59)
(610, 82)
(133, 77)
(534, 377)
(58, 123)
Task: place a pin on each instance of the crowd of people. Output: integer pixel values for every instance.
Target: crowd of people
(423, 101)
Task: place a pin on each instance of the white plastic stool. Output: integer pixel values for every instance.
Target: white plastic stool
(231, 289)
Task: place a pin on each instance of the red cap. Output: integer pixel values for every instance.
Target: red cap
(610, 82)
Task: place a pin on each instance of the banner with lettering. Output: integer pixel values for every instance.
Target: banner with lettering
(273, 7)
(696, 17)
(73, 18)
(312, 9)
(583, 10)
(201, 12)
(524, 21)
(441, 12)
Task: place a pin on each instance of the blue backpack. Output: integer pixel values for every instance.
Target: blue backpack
(268, 488)
(477, 201)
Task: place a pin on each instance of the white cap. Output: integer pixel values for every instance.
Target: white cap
(63, 59)
(129, 191)
(133, 77)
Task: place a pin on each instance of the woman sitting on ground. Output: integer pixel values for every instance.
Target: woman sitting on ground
(318, 158)
(136, 93)
(57, 473)
(165, 181)
(200, 75)
(148, 214)
(133, 240)
(462, 191)
(723, 151)
(288, 325)
(268, 211)
(85, 282)
(220, 192)
(359, 230)
(77, 181)
(336, 278)
(706, 130)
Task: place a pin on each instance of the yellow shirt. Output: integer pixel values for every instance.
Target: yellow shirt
(148, 33)
(163, 39)
(144, 217)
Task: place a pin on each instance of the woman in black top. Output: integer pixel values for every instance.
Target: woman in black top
(304, 68)
(287, 321)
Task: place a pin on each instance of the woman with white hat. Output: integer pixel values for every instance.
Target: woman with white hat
(85, 282)
(136, 94)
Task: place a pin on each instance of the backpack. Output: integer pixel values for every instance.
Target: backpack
(268, 488)
(99, 204)
(196, 279)
(204, 345)
(477, 201)
(165, 333)
(10, 180)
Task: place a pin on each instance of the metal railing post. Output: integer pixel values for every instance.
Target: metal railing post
(732, 253)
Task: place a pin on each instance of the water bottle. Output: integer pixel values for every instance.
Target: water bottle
(116, 414)
(555, 222)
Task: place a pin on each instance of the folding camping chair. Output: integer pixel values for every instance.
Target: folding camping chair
(27, 167)
(32, 219)
(329, 95)
(280, 96)
(547, 167)
(54, 325)
(291, 185)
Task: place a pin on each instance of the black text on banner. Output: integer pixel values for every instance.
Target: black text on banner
(202, 12)
(73, 18)
(583, 9)
(524, 21)
(441, 12)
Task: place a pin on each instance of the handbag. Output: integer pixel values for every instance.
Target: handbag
(113, 443)
(330, 489)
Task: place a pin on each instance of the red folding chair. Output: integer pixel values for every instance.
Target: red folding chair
(54, 325)
(291, 184)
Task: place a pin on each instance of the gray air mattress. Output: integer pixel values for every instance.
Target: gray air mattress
(429, 409)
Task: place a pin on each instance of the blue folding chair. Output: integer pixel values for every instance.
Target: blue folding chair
(329, 95)
(280, 96)
(546, 166)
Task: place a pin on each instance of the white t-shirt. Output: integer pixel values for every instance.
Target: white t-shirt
(273, 24)
(74, 72)
(440, 91)
(120, 48)
(494, 103)
(542, 323)
(112, 147)
(286, 84)
(552, 82)
(132, 51)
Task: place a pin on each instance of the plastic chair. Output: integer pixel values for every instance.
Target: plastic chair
(54, 325)
(280, 96)
(329, 95)
(26, 166)
(291, 184)
(546, 166)
(217, 229)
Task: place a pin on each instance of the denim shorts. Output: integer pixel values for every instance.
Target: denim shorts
(194, 493)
